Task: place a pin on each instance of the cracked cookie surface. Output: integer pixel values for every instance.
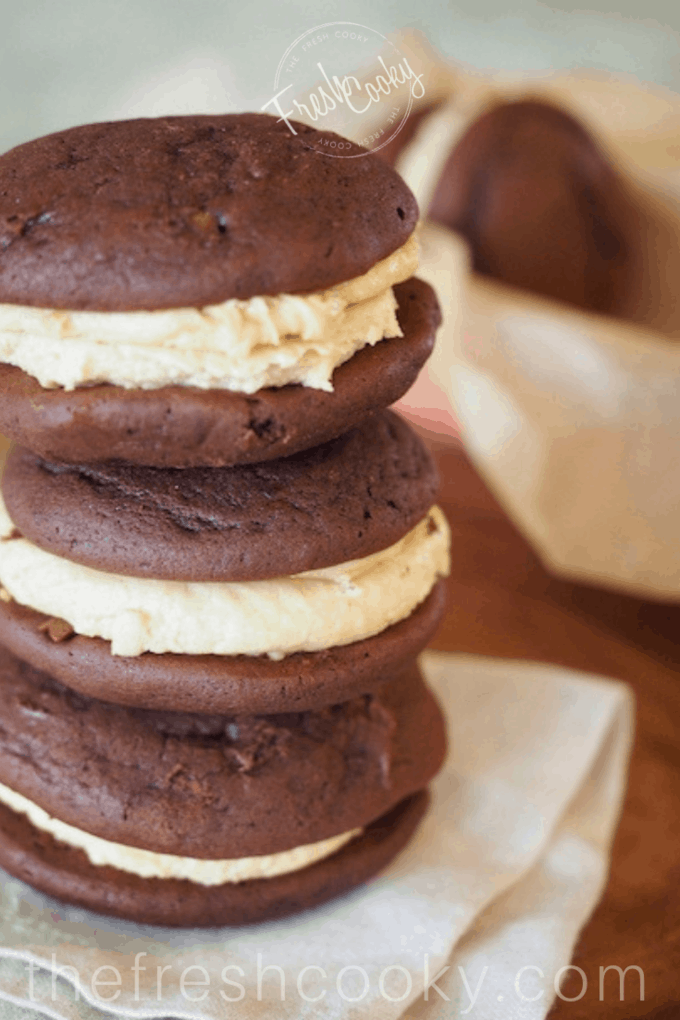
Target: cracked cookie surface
(189, 211)
(340, 501)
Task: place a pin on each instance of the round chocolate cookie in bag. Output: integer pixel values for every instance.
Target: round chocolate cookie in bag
(202, 291)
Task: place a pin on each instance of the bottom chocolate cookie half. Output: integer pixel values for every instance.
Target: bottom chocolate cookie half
(181, 426)
(67, 874)
(218, 683)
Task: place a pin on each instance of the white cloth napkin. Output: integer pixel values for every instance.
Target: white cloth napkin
(572, 418)
(504, 872)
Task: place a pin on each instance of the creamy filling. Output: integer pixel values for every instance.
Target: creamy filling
(302, 612)
(237, 345)
(146, 864)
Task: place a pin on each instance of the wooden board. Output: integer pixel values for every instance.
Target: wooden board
(503, 602)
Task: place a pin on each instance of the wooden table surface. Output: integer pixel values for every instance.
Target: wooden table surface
(503, 602)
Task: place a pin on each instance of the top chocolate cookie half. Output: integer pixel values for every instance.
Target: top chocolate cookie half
(189, 211)
(344, 500)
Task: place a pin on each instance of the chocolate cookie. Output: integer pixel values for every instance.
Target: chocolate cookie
(340, 501)
(182, 426)
(190, 211)
(218, 683)
(218, 786)
(67, 874)
(541, 207)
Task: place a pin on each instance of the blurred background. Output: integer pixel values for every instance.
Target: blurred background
(67, 63)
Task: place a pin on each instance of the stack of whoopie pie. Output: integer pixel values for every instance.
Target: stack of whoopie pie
(219, 554)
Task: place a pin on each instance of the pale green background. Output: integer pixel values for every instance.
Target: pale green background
(68, 63)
